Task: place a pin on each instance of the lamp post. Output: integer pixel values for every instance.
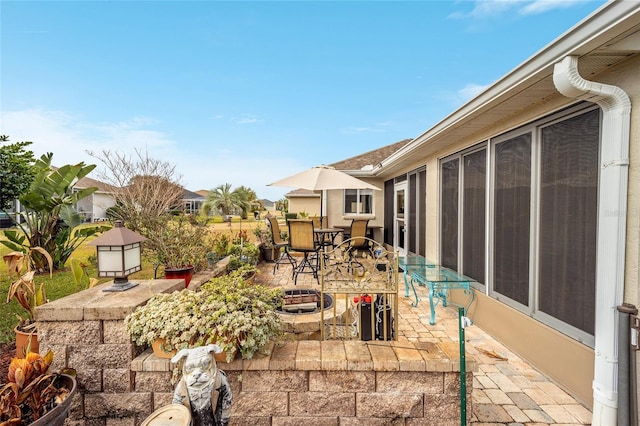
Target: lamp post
(119, 252)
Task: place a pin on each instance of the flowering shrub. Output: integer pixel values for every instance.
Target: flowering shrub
(226, 310)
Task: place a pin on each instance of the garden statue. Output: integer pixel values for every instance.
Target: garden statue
(203, 388)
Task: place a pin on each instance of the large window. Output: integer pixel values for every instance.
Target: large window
(512, 207)
(449, 214)
(568, 215)
(358, 201)
(463, 211)
(543, 198)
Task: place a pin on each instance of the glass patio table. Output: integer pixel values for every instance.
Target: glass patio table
(436, 278)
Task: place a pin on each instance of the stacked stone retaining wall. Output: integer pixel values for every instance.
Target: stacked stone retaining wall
(293, 383)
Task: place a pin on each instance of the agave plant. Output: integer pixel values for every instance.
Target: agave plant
(31, 390)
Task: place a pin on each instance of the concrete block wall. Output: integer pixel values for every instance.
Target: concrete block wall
(305, 382)
(332, 383)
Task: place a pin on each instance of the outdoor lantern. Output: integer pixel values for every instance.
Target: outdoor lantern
(119, 253)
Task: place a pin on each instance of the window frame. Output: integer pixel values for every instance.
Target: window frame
(534, 128)
(359, 193)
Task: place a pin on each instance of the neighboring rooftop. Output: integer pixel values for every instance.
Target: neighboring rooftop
(370, 158)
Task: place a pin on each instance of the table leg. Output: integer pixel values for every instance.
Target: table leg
(407, 283)
(432, 306)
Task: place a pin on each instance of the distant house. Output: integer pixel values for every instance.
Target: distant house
(267, 204)
(309, 201)
(94, 207)
(192, 201)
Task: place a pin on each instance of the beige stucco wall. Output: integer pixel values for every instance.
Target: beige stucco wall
(335, 206)
(310, 205)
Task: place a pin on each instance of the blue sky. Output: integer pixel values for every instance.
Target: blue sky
(251, 92)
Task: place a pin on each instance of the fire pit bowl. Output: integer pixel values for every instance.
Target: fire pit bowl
(300, 315)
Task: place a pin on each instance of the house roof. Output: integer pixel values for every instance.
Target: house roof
(190, 195)
(87, 182)
(302, 193)
(604, 39)
(370, 158)
(202, 192)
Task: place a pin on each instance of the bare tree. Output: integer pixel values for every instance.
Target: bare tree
(145, 189)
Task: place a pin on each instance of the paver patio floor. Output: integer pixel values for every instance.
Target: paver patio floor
(506, 390)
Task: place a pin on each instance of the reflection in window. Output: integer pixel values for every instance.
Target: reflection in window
(358, 201)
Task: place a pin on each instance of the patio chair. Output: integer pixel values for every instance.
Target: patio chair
(279, 243)
(302, 239)
(358, 235)
(358, 240)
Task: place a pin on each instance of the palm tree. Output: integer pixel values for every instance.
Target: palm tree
(222, 199)
(247, 199)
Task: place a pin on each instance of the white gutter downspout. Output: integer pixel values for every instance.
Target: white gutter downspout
(612, 211)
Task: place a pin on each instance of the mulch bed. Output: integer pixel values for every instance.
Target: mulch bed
(7, 352)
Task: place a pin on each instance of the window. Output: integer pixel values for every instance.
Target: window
(568, 215)
(449, 214)
(542, 193)
(512, 207)
(464, 192)
(358, 201)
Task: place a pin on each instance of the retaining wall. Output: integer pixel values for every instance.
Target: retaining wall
(294, 383)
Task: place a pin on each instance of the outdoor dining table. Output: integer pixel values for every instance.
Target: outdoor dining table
(327, 236)
(436, 278)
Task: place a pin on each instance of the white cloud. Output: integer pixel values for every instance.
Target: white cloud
(483, 9)
(380, 127)
(470, 91)
(69, 137)
(541, 6)
(247, 120)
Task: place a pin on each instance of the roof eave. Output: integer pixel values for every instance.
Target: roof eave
(603, 25)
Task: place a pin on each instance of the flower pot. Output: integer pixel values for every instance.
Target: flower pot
(22, 342)
(159, 352)
(57, 415)
(271, 254)
(222, 356)
(185, 274)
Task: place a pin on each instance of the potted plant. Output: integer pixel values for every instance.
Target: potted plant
(227, 311)
(241, 314)
(221, 243)
(179, 245)
(34, 396)
(245, 259)
(265, 238)
(28, 294)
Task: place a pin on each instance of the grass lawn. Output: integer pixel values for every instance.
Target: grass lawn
(61, 283)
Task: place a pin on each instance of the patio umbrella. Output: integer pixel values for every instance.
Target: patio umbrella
(321, 178)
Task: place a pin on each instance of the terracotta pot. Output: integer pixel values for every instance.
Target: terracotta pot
(57, 415)
(179, 273)
(159, 352)
(22, 342)
(222, 356)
